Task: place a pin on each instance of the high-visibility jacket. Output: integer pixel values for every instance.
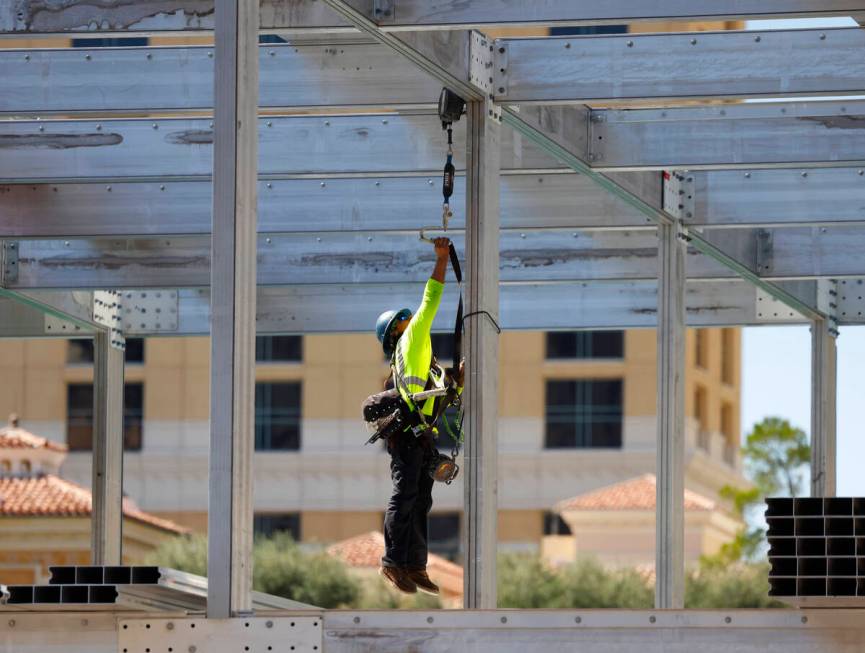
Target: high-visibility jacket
(413, 353)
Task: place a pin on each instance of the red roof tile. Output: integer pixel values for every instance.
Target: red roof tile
(633, 494)
(367, 549)
(13, 437)
(51, 496)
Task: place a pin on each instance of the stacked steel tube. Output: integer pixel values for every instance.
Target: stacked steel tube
(816, 547)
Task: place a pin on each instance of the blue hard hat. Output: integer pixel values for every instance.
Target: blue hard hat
(384, 326)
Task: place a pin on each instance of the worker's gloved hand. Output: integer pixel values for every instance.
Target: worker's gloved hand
(442, 247)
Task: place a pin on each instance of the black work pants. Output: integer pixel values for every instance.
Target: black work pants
(405, 521)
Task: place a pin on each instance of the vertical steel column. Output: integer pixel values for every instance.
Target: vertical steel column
(823, 409)
(482, 356)
(232, 287)
(670, 468)
(106, 522)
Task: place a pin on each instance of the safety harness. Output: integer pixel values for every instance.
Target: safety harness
(385, 412)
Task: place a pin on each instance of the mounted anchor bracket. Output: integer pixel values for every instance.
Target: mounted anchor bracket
(9, 262)
(679, 199)
(106, 311)
(482, 67)
(828, 302)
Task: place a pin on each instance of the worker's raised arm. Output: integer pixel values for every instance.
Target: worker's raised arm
(442, 247)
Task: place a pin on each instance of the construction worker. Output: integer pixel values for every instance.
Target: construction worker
(406, 338)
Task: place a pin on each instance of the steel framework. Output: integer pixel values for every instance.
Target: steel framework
(608, 181)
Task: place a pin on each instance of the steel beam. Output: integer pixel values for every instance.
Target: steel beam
(687, 66)
(182, 148)
(323, 74)
(757, 135)
(382, 257)
(670, 466)
(774, 198)
(529, 255)
(29, 17)
(336, 308)
(232, 353)
(809, 134)
(723, 199)
(107, 518)
(823, 408)
(482, 357)
(368, 204)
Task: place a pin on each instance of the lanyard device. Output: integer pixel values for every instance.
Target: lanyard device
(451, 108)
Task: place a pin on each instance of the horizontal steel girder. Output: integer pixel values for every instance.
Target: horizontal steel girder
(762, 135)
(536, 256)
(336, 308)
(545, 71)
(33, 17)
(686, 66)
(182, 147)
(737, 198)
(766, 135)
(366, 204)
(174, 78)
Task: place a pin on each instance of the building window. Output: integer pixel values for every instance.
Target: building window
(584, 414)
(26, 467)
(80, 351)
(701, 415)
(555, 525)
(5, 466)
(269, 524)
(279, 349)
(727, 355)
(443, 348)
(277, 416)
(79, 416)
(444, 534)
(586, 30)
(727, 421)
(701, 352)
(585, 344)
(128, 42)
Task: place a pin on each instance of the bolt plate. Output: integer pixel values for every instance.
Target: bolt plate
(54, 325)
(9, 259)
(851, 300)
(678, 192)
(481, 62)
(200, 635)
(770, 310)
(150, 311)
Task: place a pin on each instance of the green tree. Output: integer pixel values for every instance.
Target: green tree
(740, 585)
(775, 456)
(280, 567)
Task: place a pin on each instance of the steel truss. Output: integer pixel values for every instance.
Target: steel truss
(582, 198)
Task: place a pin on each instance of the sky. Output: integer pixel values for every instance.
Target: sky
(776, 363)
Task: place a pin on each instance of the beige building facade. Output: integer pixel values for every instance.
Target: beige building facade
(316, 477)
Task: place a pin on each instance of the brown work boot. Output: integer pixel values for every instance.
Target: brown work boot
(399, 578)
(421, 580)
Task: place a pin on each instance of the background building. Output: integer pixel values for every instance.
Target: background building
(45, 519)
(577, 412)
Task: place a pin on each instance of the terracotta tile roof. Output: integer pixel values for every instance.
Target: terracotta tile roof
(633, 494)
(47, 495)
(367, 549)
(13, 437)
